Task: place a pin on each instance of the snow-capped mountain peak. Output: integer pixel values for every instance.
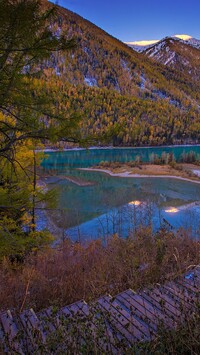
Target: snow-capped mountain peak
(141, 46)
(183, 37)
(178, 54)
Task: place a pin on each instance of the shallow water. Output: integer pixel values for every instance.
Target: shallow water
(87, 158)
(103, 208)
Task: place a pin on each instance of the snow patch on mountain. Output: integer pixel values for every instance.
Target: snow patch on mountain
(170, 59)
(126, 68)
(90, 81)
(193, 42)
(156, 49)
(142, 83)
(57, 71)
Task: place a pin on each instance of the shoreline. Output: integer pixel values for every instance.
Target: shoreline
(54, 150)
(129, 175)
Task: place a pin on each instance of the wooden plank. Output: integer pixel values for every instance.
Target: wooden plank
(112, 338)
(36, 325)
(189, 287)
(163, 305)
(188, 292)
(197, 274)
(3, 343)
(115, 328)
(192, 282)
(149, 310)
(181, 295)
(12, 332)
(197, 271)
(186, 309)
(77, 308)
(135, 327)
(52, 319)
(172, 304)
(57, 322)
(115, 337)
(120, 320)
(84, 308)
(143, 333)
(127, 318)
(9, 326)
(77, 312)
(55, 317)
(2, 334)
(141, 322)
(193, 277)
(32, 326)
(45, 319)
(34, 322)
(80, 309)
(139, 310)
(182, 291)
(73, 309)
(106, 342)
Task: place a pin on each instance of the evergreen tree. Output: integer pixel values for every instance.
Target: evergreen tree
(26, 44)
(27, 113)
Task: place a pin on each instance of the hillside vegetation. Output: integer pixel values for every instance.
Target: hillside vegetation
(121, 92)
(123, 120)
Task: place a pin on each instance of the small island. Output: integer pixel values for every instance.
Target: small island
(182, 171)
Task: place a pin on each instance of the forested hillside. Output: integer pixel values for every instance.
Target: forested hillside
(103, 61)
(125, 120)
(119, 91)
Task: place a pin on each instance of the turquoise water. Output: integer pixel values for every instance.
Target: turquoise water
(87, 158)
(104, 207)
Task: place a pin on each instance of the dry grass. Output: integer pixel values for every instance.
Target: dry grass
(75, 272)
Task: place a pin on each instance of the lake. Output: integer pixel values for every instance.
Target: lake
(107, 205)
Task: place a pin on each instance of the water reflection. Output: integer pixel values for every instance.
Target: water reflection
(87, 158)
(135, 203)
(171, 210)
(118, 205)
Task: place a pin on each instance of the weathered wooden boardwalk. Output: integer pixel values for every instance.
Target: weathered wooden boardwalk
(111, 324)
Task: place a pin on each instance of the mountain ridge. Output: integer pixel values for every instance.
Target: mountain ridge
(178, 55)
(141, 46)
(103, 61)
(125, 96)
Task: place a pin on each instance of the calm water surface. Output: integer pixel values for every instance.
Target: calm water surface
(119, 205)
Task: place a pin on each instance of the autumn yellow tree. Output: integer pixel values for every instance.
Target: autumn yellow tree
(27, 112)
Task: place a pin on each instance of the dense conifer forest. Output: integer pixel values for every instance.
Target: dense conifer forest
(121, 92)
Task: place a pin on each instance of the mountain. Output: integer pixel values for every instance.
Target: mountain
(141, 46)
(193, 42)
(189, 40)
(122, 95)
(103, 61)
(177, 54)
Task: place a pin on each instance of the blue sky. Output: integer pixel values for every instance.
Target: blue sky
(131, 20)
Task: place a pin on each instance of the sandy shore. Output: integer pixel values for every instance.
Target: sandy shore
(129, 175)
(57, 150)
